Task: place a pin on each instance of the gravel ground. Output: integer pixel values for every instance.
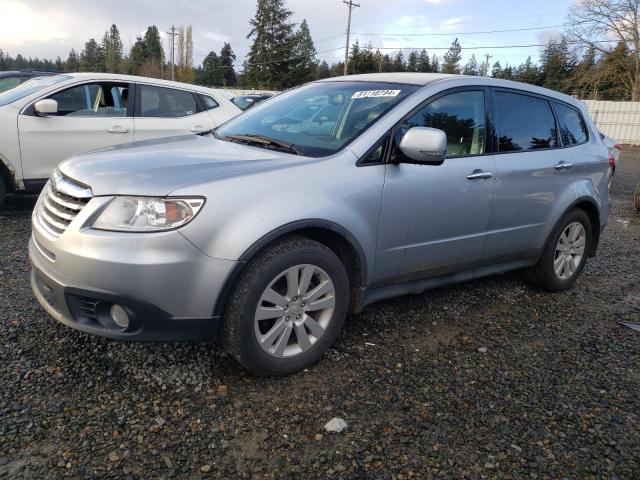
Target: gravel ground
(486, 379)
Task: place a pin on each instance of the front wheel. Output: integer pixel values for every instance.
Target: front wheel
(564, 254)
(287, 308)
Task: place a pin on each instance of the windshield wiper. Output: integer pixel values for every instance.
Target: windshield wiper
(264, 141)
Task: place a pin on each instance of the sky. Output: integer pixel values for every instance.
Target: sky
(48, 28)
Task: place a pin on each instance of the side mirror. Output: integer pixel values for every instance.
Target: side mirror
(46, 107)
(423, 145)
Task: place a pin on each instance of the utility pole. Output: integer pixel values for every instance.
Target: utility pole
(172, 33)
(351, 5)
(486, 64)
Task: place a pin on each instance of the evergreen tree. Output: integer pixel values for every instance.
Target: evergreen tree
(435, 64)
(354, 59)
(228, 59)
(323, 70)
(471, 68)
(399, 64)
(424, 65)
(272, 33)
(412, 62)
(73, 62)
(112, 47)
(496, 70)
(212, 72)
(557, 65)
(303, 64)
(451, 63)
(92, 57)
(153, 45)
(527, 72)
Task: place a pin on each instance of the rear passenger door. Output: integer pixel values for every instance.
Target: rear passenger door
(166, 112)
(534, 175)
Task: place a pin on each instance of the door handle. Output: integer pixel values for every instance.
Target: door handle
(563, 166)
(479, 175)
(117, 129)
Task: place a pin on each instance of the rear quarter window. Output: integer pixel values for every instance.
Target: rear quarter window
(573, 129)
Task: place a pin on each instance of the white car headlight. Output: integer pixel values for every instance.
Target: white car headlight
(146, 214)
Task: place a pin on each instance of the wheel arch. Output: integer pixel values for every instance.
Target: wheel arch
(330, 234)
(7, 176)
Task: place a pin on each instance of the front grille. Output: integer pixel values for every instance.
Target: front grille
(60, 202)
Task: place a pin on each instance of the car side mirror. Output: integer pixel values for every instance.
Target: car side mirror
(46, 107)
(424, 145)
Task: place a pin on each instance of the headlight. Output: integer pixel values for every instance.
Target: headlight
(145, 214)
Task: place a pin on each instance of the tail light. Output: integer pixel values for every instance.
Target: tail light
(612, 162)
(618, 147)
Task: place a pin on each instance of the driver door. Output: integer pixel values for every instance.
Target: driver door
(434, 218)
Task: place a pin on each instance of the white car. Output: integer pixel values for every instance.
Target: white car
(45, 120)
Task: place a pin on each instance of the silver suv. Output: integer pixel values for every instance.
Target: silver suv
(328, 197)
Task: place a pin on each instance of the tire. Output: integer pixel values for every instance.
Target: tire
(637, 197)
(3, 192)
(543, 275)
(250, 340)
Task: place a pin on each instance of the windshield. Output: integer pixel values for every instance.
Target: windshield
(32, 86)
(318, 119)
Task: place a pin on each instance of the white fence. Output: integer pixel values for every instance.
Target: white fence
(618, 120)
(238, 92)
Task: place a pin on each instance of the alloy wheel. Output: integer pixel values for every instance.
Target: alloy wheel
(569, 250)
(294, 311)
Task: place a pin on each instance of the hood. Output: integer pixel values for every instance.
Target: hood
(158, 167)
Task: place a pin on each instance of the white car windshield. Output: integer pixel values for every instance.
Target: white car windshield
(32, 86)
(317, 119)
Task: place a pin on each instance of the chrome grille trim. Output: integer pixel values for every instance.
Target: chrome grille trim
(61, 201)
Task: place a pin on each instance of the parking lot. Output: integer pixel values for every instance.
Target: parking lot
(485, 379)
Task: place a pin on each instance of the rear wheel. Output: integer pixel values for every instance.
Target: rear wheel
(287, 308)
(565, 253)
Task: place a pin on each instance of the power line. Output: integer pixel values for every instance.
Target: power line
(459, 33)
(488, 47)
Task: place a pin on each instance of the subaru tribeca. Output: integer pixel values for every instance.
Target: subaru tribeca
(267, 232)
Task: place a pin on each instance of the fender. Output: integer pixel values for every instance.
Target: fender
(280, 232)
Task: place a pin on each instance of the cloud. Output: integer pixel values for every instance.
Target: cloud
(22, 24)
(216, 37)
(450, 22)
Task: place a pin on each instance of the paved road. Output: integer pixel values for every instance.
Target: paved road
(556, 394)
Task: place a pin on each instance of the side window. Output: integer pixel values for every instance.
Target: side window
(376, 154)
(166, 102)
(524, 122)
(208, 102)
(460, 115)
(573, 130)
(93, 100)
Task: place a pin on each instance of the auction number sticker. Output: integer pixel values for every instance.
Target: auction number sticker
(376, 93)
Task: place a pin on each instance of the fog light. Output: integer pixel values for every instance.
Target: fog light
(119, 316)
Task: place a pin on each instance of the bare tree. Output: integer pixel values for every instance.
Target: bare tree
(594, 20)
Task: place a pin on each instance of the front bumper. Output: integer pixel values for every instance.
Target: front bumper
(167, 287)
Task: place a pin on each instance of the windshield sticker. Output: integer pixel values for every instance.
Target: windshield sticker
(376, 93)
